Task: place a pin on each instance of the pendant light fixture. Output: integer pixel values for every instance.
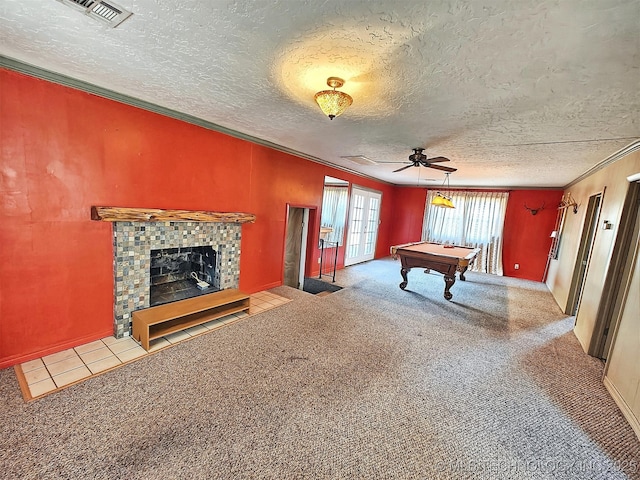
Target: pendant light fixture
(333, 102)
(440, 199)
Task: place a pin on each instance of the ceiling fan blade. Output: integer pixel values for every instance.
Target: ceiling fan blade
(403, 168)
(444, 169)
(437, 159)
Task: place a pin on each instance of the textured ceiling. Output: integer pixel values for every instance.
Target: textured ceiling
(516, 93)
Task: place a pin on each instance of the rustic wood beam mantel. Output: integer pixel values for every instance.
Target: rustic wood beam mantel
(125, 214)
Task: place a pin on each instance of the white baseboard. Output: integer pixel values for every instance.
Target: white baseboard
(626, 410)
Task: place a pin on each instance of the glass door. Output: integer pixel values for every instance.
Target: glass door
(364, 217)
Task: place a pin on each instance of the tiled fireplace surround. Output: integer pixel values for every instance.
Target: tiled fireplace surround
(132, 245)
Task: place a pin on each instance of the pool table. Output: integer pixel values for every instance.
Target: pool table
(445, 259)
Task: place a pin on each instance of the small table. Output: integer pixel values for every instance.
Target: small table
(433, 256)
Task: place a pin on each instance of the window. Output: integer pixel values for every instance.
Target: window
(334, 213)
(477, 221)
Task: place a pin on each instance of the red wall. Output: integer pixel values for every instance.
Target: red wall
(64, 150)
(527, 237)
(409, 214)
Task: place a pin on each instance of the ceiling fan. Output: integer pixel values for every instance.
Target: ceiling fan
(418, 158)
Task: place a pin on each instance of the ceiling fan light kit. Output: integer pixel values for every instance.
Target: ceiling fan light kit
(332, 102)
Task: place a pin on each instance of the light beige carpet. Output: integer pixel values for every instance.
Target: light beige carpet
(368, 382)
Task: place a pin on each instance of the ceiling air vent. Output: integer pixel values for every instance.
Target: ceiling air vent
(360, 159)
(108, 12)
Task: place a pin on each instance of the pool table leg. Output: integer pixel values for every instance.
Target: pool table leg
(462, 277)
(403, 272)
(448, 283)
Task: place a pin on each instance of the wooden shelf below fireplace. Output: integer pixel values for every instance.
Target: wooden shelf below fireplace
(156, 322)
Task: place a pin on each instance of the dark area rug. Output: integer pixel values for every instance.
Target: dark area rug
(315, 286)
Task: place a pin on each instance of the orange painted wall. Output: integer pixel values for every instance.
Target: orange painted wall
(64, 150)
(527, 237)
(409, 214)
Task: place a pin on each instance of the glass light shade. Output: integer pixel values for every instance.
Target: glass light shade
(438, 200)
(332, 102)
(441, 201)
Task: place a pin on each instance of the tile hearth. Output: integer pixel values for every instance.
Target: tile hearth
(48, 374)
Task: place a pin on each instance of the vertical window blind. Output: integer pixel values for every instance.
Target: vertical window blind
(477, 221)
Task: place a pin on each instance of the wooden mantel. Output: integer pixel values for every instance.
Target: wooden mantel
(125, 214)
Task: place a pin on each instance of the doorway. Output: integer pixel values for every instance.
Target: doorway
(589, 230)
(618, 273)
(622, 370)
(364, 219)
(295, 246)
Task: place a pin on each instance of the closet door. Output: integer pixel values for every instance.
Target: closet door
(364, 218)
(622, 371)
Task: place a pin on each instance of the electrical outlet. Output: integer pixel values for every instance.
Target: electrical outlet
(516, 266)
(318, 260)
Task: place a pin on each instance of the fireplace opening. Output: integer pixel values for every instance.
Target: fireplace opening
(184, 272)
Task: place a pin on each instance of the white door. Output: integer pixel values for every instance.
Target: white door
(364, 217)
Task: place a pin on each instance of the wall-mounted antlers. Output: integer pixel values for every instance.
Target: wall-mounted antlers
(534, 211)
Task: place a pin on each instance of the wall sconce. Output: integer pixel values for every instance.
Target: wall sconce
(534, 211)
(567, 202)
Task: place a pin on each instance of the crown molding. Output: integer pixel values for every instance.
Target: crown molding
(60, 79)
(614, 157)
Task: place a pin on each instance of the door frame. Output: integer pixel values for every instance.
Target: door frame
(585, 248)
(306, 246)
(370, 192)
(617, 273)
(627, 410)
